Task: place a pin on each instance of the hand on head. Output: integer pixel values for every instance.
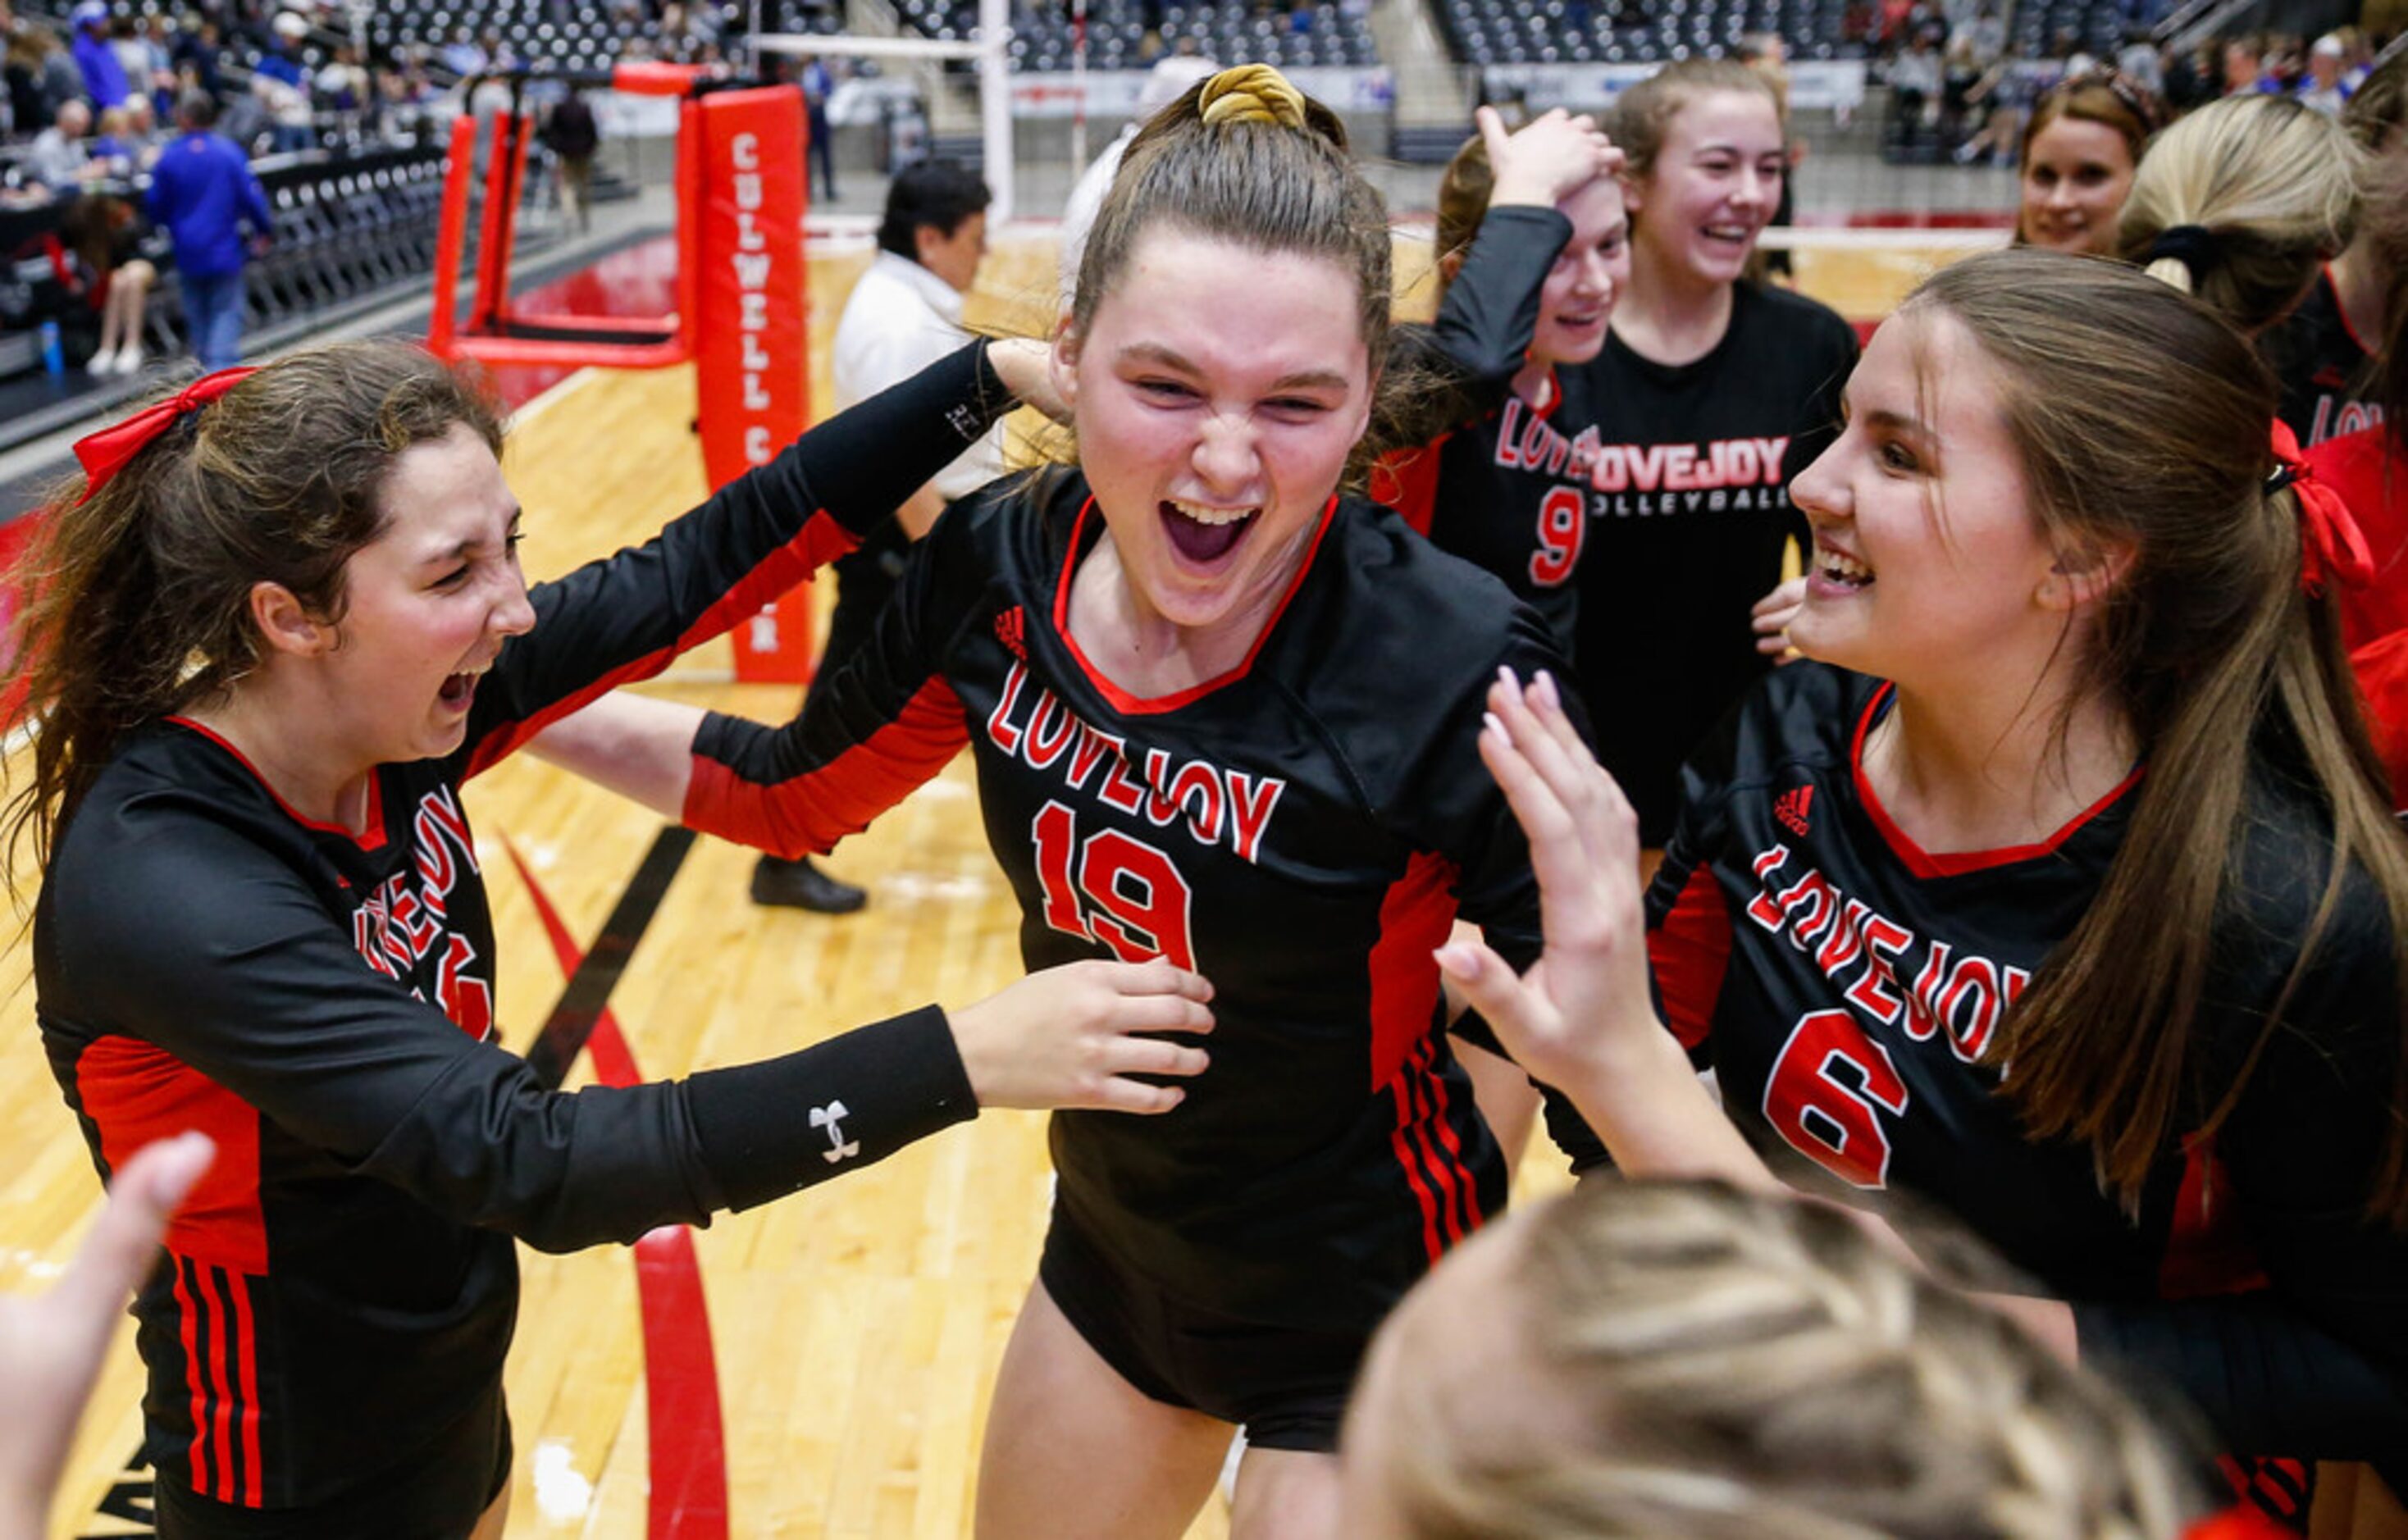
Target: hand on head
(51, 1345)
(1072, 1036)
(1547, 159)
(1588, 990)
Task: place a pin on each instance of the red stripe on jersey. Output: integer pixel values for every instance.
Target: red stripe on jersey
(809, 813)
(1925, 864)
(2207, 1250)
(369, 838)
(228, 1353)
(196, 1377)
(135, 1094)
(1138, 706)
(1689, 952)
(245, 1383)
(1407, 481)
(820, 541)
(1415, 915)
(1463, 1192)
(1401, 1139)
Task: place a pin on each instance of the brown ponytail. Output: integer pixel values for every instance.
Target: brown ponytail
(2225, 666)
(137, 600)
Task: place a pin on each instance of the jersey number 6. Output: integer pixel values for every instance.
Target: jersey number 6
(1828, 1091)
(1127, 894)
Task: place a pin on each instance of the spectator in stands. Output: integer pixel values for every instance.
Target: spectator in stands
(2244, 66)
(569, 133)
(903, 315)
(2323, 89)
(818, 85)
(104, 235)
(2140, 63)
(1915, 80)
(104, 78)
(42, 77)
(2079, 153)
(194, 56)
(203, 193)
(462, 56)
(58, 159)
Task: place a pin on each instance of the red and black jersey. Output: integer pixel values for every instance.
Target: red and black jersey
(1688, 517)
(340, 1289)
(1302, 830)
(1499, 481)
(2324, 368)
(1847, 987)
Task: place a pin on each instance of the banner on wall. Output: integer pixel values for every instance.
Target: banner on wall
(1113, 93)
(1815, 85)
(751, 369)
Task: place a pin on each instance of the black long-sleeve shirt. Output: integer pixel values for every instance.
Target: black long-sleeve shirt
(342, 1284)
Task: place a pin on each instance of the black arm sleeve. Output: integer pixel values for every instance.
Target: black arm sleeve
(1467, 358)
(624, 617)
(886, 724)
(247, 978)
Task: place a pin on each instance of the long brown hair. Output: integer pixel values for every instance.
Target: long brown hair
(138, 599)
(2224, 667)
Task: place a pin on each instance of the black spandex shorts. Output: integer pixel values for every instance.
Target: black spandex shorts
(438, 1495)
(1286, 1388)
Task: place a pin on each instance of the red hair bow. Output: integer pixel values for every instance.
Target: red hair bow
(2330, 543)
(106, 452)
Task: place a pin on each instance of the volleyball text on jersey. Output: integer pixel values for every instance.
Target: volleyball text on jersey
(1723, 473)
(1219, 805)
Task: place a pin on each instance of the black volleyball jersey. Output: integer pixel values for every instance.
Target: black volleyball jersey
(341, 1286)
(1489, 476)
(1846, 985)
(2325, 369)
(1688, 517)
(1301, 831)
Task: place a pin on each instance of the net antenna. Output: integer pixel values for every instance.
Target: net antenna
(990, 49)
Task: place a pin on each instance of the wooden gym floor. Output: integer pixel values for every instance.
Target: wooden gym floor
(853, 1332)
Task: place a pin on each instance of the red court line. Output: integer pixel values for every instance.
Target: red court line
(688, 1443)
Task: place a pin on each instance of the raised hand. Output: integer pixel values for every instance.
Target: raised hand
(51, 1345)
(1547, 159)
(1072, 1036)
(1589, 988)
(1771, 615)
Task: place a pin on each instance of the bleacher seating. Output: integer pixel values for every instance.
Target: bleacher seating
(1582, 32)
(1232, 31)
(2094, 25)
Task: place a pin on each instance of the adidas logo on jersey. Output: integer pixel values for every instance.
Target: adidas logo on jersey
(1790, 807)
(1010, 629)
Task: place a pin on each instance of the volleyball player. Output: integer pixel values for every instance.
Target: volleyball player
(1709, 393)
(1224, 713)
(2061, 891)
(270, 633)
(2081, 149)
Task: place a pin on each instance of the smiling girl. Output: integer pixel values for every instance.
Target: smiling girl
(1709, 392)
(2081, 149)
(1220, 713)
(269, 635)
(2059, 890)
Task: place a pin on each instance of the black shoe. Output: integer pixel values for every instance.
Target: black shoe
(800, 885)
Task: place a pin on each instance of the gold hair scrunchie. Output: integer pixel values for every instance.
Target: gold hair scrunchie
(1252, 94)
